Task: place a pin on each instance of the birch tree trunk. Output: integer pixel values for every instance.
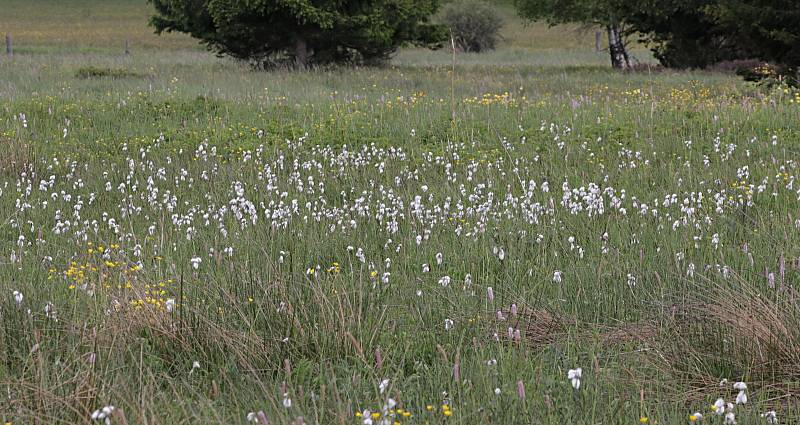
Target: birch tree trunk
(616, 48)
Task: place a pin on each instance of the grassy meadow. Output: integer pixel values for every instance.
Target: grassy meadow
(191, 241)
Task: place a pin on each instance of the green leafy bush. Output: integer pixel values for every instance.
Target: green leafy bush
(475, 25)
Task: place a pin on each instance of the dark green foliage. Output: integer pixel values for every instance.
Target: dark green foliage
(692, 33)
(768, 29)
(699, 33)
(680, 33)
(302, 31)
(475, 25)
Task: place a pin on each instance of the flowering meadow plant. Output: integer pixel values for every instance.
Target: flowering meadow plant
(512, 244)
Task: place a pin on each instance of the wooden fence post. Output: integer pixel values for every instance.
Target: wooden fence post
(127, 47)
(9, 45)
(597, 39)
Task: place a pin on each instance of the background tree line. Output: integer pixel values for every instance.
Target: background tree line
(681, 33)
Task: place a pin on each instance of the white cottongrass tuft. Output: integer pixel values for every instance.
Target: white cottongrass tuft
(103, 414)
(287, 402)
(771, 417)
(574, 376)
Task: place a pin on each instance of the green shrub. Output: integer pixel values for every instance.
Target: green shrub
(475, 25)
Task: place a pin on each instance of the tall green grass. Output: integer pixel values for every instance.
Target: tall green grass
(655, 315)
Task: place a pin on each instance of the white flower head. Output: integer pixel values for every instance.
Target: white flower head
(740, 386)
(195, 262)
(439, 258)
(730, 418)
(574, 375)
(49, 311)
(367, 415)
(771, 417)
(718, 407)
(448, 324)
(170, 305)
(287, 402)
(383, 386)
(696, 416)
(497, 391)
(103, 414)
(741, 398)
(18, 298)
(557, 276)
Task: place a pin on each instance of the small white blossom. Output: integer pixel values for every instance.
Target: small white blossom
(771, 417)
(287, 402)
(103, 414)
(574, 375)
(367, 417)
(718, 407)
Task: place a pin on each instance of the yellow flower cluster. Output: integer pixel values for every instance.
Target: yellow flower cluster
(155, 295)
(491, 99)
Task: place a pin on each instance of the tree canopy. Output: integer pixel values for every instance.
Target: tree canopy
(698, 33)
(690, 33)
(302, 31)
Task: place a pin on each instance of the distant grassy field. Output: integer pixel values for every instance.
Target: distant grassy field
(191, 241)
(82, 25)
